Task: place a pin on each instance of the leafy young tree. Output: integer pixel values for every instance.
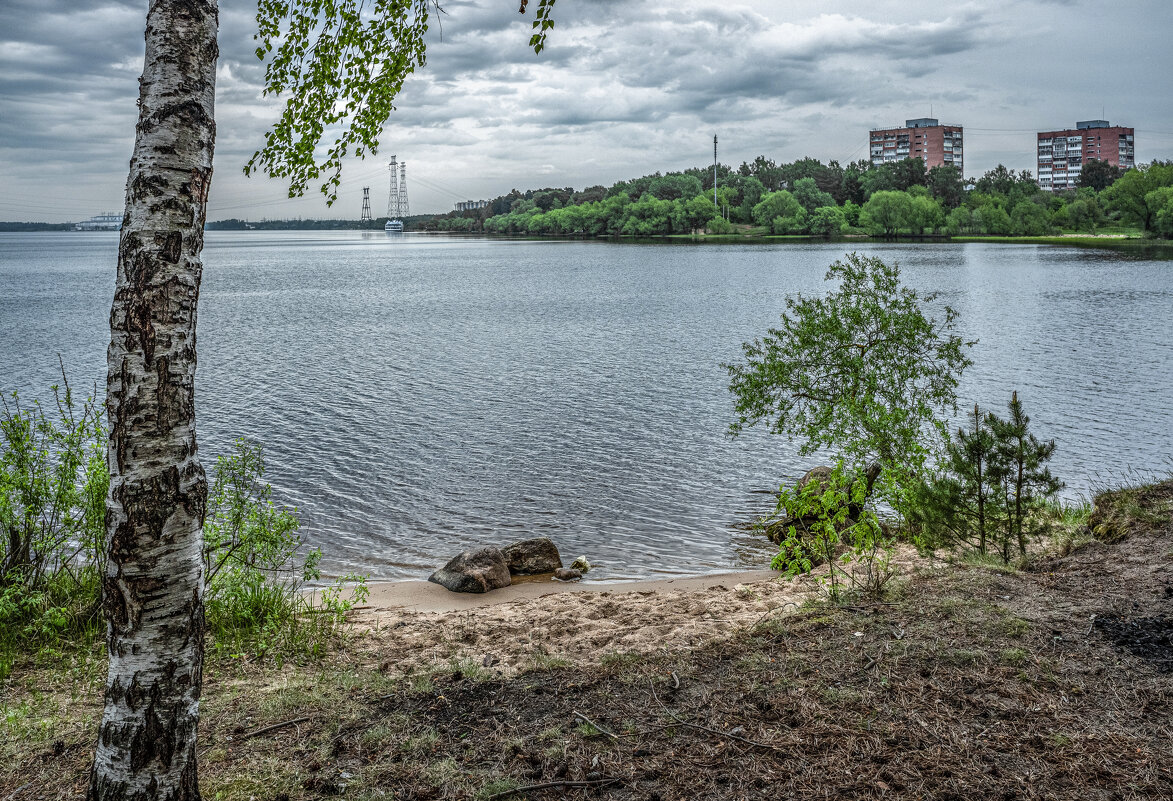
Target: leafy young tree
(1098, 175)
(774, 205)
(1128, 196)
(863, 370)
(887, 212)
(1029, 219)
(827, 221)
(341, 65)
(946, 185)
(809, 196)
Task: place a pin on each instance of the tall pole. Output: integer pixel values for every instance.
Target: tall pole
(715, 170)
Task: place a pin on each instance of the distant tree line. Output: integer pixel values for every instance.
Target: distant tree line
(10, 227)
(299, 224)
(807, 197)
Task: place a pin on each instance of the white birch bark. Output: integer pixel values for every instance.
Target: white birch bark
(153, 587)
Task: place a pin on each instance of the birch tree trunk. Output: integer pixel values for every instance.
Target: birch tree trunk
(153, 587)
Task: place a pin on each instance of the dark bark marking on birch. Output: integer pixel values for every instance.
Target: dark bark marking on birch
(166, 396)
(114, 603)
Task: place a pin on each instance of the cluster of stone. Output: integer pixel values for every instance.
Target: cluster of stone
(490, 568)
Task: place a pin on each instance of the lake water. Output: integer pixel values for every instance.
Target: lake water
(417, 394)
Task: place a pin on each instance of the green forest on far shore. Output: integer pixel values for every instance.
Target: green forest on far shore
(809, 198)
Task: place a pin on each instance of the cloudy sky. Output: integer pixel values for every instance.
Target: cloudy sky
(624, 88)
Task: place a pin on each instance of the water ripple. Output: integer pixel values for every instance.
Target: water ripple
(417, 395)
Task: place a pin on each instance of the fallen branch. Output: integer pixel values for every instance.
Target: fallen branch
(547, 785)
(274, 727)
(590, 722)
(718, 732)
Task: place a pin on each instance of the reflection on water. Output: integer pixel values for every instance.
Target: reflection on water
(416, 395)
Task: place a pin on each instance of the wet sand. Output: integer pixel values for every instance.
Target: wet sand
(424, 596)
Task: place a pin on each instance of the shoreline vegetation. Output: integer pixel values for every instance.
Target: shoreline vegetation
(899, 200)
(969, 678)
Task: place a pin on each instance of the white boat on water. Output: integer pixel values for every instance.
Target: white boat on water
(394, 226)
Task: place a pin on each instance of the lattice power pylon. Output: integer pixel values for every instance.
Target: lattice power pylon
(404, 209)
(393, 192)
(366, 204)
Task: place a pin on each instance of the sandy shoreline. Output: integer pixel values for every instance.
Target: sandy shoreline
(415, 624)
(425, 596)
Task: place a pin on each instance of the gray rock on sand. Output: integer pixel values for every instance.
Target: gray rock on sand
(477, 570)
(529, 557)
(566, 574)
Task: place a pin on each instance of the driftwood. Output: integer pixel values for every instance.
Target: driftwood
(590, 722)
(565, 784)
(274, 727)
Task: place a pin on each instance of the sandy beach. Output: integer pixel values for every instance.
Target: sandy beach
(417, 625)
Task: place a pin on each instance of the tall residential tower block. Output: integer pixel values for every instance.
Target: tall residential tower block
(922, 138)
(1062, 154)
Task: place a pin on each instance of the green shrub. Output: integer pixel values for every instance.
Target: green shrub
(256, 567)
(53, 483)
(991, 489)
(834, 522)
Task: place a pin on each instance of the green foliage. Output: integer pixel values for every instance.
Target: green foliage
(675, 186)
(946, 184)
(890, 200)
(1161, 202)
(1132, 196)
(994, 219)
(1098, 175)
(1030, 219)
(699, 211)
(719, 225)
(887, 212)
(827, 221)
(835, 523)
(341, 64)
(53, 483)
(992, 489)
(775, 206)
(255, 568)
(926, 214)
(809, 196)
(863, 370)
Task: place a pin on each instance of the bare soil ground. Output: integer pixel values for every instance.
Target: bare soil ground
(1054, 682)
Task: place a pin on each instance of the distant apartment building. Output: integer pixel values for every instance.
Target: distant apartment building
(1062, 154)
(922, 138)
(469, 205)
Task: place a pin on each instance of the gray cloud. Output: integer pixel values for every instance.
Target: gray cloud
(623, 88)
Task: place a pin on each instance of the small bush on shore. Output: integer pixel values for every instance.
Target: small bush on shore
(991, 490)
(53, 485)
(836, 522)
